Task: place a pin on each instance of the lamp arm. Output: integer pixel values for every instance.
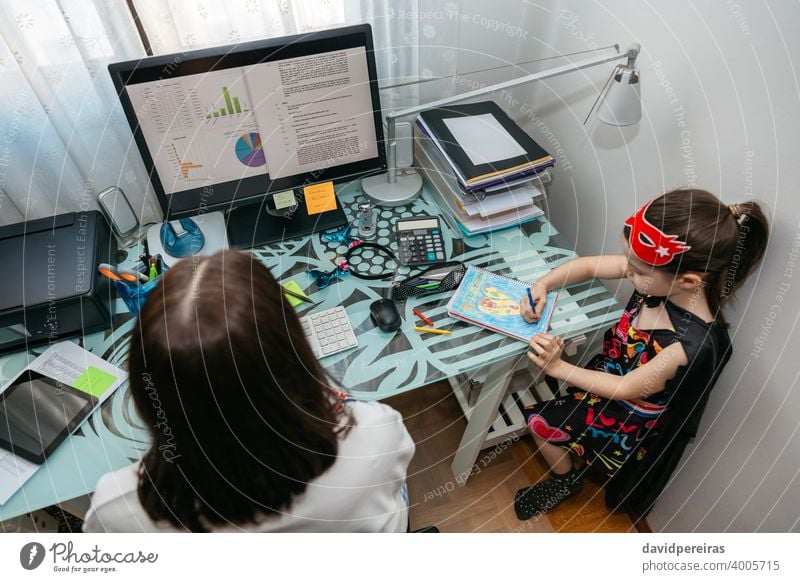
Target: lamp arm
(540, 76)
(602, 92)
(391, 142)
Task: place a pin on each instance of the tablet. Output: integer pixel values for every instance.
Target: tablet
(38, 413)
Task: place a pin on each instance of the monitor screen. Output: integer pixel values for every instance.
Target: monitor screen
(225, 126)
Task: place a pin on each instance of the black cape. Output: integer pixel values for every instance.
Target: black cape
(636, 486)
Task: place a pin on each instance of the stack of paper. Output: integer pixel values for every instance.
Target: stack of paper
(473, 215)
(517, 198)
(483, 147)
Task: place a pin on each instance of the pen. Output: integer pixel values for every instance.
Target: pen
(298, 295)
(433, 330)
(421, 316)
(145, 258)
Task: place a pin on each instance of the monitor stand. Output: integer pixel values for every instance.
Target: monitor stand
(251, 225)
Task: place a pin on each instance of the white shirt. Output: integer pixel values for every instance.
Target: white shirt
(363, 491)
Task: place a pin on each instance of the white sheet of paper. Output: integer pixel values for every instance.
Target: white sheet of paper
(315, 111)
(498, 203)
(14, 471)
(64, 361)
(483, 139)
(512, 198)
(479, 223)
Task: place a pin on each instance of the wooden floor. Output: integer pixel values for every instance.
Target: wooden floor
(485, 503)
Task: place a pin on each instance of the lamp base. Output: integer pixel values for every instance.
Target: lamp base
(378, 189)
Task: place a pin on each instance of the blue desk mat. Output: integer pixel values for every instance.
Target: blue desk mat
(383, 364)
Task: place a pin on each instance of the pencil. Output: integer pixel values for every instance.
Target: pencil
(418, 313)
(298, 295)
(432, 330)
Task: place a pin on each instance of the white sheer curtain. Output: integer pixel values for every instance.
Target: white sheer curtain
(177, 25)
(414, 39)
(63, 136)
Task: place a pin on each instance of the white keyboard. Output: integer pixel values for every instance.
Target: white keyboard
(329, 332)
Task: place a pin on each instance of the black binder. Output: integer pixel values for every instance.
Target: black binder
(534, 156)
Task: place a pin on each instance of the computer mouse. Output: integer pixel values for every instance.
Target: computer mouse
(384, 315)
(181, 238)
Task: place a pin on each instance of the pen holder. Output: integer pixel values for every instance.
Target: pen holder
(134, 296)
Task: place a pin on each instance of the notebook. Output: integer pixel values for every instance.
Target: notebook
(492, 301)
(480, 141)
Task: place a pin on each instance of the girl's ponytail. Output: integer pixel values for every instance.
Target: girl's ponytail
(751, 244)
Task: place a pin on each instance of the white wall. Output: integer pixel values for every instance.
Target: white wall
(721, 111)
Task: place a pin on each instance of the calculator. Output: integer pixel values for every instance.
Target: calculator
(420, 240)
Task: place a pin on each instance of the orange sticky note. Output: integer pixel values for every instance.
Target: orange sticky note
(319, 198)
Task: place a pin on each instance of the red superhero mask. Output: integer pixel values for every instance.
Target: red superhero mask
(650, 244)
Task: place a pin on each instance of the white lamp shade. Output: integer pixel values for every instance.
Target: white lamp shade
(622, 103)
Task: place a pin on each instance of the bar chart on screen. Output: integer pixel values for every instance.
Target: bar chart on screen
(232, 106)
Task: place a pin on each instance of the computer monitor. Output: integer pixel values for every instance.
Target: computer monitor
(227, 128)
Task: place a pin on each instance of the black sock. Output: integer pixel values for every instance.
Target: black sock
(545, 495)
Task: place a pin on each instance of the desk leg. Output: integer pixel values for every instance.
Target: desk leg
(483, 415)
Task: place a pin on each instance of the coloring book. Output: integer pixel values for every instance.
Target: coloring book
(492, 301)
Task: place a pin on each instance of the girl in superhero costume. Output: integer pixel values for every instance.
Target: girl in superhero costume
(631, 411)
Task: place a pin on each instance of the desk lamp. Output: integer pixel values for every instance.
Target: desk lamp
(619, 105)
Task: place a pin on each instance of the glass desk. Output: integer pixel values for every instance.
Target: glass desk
(382, 365)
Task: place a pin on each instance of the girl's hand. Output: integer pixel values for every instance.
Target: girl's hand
(545, 351)
(532, 313)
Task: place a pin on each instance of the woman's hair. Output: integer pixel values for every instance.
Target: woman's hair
(239, 410)
(727, 241)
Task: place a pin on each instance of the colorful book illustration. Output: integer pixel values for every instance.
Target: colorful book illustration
(492, 301)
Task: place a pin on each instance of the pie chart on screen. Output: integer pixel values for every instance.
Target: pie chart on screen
(249, 151)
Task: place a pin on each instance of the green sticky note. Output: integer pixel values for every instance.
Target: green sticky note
(94, 381)
(293, 286)
(284, 199)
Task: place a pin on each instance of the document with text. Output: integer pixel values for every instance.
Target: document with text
(315, 112)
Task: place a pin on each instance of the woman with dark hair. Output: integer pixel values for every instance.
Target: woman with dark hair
(247, 433)
(631, 411)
